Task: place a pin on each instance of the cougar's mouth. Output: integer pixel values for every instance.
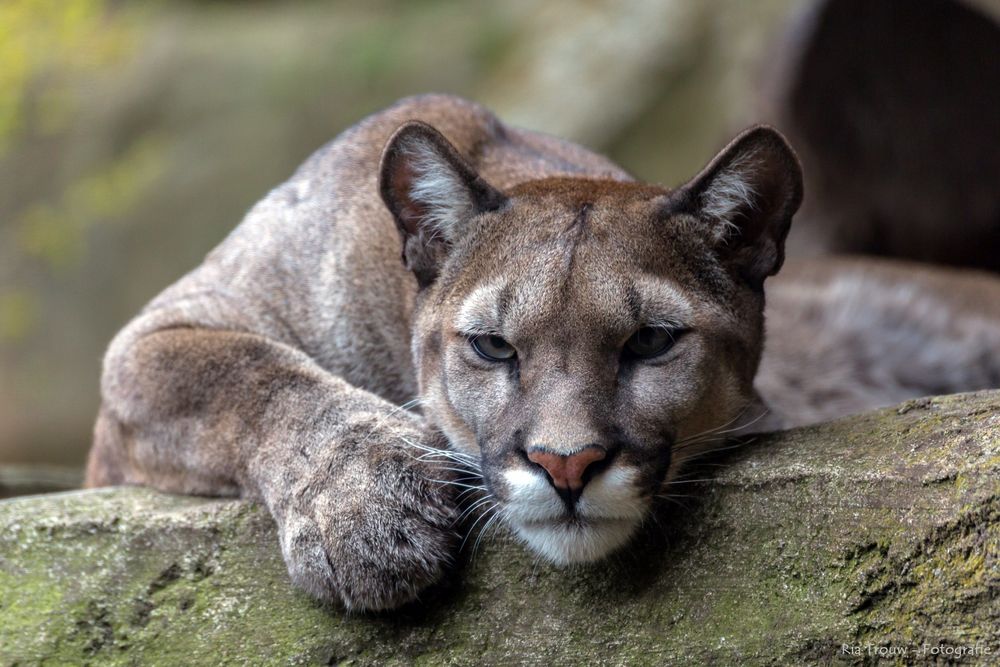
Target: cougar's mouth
(572, 520)
(602, 520)
(575, 539)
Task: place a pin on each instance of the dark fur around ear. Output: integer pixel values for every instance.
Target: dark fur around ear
(747, 196)
(432, 192)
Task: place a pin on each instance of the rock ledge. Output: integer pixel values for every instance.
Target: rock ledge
(876, 532)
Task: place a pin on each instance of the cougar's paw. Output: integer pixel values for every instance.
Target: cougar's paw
(375, 532)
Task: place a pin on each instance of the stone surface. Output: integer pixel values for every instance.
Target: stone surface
(881, 530)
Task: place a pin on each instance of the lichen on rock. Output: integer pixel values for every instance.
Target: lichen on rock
(880, 530)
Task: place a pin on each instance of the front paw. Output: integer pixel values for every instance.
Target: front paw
(369, 532)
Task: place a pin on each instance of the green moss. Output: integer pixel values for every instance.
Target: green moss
(805, 541)
(27, 601)
(936, 598)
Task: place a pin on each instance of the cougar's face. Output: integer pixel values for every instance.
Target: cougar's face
(575, 339)
(576, 355)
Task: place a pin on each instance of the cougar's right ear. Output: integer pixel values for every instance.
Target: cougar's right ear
(432, 192)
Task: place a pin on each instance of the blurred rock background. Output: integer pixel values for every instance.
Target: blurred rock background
(133, 135)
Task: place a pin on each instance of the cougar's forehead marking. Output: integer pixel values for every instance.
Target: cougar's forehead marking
(619, 304)
(531, 291)
(500, 306)
(484, 309)
(659, 301)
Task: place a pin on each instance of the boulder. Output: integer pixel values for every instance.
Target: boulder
(873, 536)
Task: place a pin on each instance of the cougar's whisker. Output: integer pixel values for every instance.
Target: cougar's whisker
(723, 428)
(497, 513)
(689, 481)
(405, 406)
(471, 491)
(715, 450)
(459, 484)
(470, 463)
(476, 522)
(441, 456)
(700, 441)
(467, 471)
(477, 504)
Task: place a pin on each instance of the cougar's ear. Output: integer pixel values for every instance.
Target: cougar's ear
(432, 192)
(747, 196)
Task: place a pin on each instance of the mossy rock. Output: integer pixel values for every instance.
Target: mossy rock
(835, 543)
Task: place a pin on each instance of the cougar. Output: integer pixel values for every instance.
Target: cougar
(436, 304)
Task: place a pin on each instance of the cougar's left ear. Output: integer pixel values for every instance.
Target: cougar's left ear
(432, 192)
(747, 196)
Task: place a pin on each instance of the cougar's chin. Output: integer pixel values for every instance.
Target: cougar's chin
(575, 540)
(603, 519)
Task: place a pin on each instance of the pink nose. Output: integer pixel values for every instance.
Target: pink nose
(566, 470)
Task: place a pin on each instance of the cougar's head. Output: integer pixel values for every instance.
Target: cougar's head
(578, 337)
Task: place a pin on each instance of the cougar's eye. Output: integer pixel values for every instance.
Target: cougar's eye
(650, 342)
(493, 348)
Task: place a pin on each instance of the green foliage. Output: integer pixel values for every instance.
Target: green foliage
(17, 314)
(43, 43)
(57, 232)
(45, 46)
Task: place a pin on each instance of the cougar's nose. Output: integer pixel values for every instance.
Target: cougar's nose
(566, 471)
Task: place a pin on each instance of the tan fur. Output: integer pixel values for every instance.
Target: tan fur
(279, 368)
